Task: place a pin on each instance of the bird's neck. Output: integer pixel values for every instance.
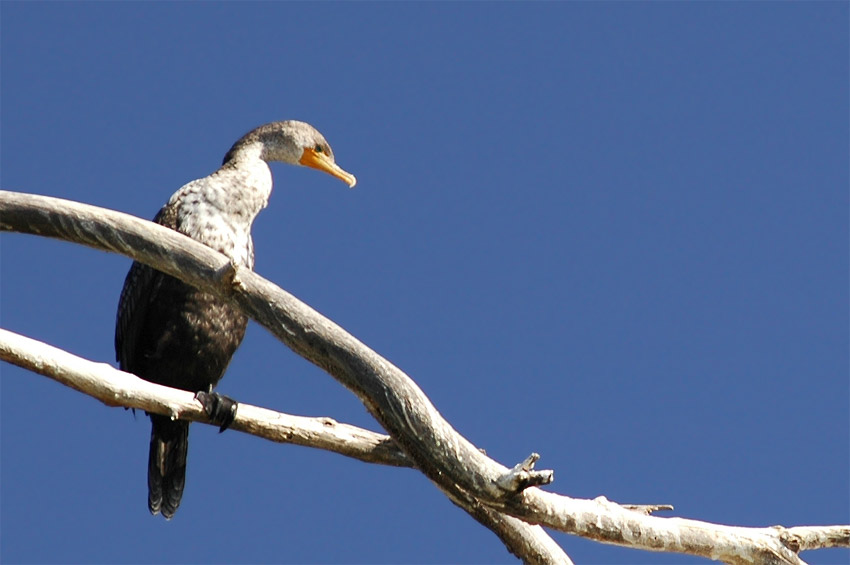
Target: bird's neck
(251, 150)
(263, 145)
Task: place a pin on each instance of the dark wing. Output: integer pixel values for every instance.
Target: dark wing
(141, 288)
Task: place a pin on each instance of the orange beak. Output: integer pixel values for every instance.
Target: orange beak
(320, 161)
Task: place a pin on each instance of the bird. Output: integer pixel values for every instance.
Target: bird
(173, 334)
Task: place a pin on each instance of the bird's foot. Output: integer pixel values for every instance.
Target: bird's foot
(220, 409)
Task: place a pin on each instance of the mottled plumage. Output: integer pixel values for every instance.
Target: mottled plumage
(168, 332)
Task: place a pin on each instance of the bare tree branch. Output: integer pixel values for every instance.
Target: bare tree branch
(609, 522)
(466, 475)
(117, 388)
(392, 397)
(802, 538)
(176, 255)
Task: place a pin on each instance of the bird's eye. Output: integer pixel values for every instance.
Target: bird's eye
(318, 149)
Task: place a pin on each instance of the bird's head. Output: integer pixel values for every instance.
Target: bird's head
(293, 142)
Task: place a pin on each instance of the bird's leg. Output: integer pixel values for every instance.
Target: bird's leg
(220, 409)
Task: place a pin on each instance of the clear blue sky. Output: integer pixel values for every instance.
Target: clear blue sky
(614, 234)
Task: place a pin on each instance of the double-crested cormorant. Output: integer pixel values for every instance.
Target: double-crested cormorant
(170, 333)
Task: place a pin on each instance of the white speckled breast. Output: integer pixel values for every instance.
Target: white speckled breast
(219, 210)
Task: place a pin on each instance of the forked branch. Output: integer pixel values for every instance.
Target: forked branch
(488, 490)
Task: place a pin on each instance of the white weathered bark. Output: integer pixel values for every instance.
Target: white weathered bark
(117, 388)
(196, 264)
(493, 494)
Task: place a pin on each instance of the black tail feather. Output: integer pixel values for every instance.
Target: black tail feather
(167, 464)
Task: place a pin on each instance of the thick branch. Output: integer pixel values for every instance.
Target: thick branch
(448, 459)
(391, 396)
